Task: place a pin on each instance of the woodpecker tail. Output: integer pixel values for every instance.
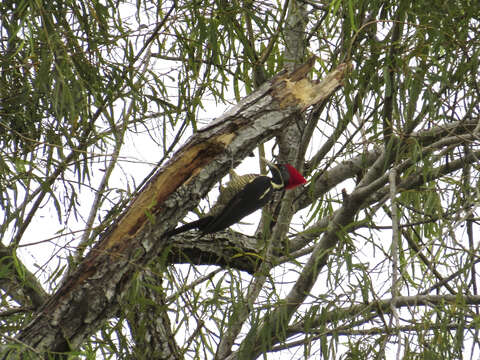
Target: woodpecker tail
(198, 224)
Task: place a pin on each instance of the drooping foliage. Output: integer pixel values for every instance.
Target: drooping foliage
(376, 257)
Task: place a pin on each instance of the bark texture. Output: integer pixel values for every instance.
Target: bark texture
(92, 292)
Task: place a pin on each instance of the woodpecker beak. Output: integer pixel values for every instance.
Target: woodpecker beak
(277, 174)
(269, 164)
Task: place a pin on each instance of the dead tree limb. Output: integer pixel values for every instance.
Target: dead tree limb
(90, 294)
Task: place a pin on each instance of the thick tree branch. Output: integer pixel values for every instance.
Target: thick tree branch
(366, 312)
(350, 168)
(227, 247)
(384, 306)
(90, 294)
(379, 195)
(153, 337)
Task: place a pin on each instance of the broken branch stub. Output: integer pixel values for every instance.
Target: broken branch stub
(281, 96)
(91, 294)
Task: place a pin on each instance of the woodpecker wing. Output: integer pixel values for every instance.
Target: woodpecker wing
(232, 188)
(253, 196)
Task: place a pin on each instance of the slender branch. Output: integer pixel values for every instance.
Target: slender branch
(341, 331)
(414, 246)
(395, 266)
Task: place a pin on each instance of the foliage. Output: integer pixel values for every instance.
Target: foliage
(85, 86)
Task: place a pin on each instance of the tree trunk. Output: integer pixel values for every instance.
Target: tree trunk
(91, 294)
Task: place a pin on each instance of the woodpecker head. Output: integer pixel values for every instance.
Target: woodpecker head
(285, 176)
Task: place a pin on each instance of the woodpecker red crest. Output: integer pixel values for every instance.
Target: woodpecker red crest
(285, 176)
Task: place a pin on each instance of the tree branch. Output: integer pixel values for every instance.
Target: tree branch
(90, 295)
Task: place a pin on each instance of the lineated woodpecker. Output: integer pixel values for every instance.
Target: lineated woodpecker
(242, 196)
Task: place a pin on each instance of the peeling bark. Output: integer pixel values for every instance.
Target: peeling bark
(90, 295)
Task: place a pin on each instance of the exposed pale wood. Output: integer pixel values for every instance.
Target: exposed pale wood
(90, 295)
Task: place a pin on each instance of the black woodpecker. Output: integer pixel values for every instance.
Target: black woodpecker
(242, 196)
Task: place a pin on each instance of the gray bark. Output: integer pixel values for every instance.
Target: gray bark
(92, 293)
